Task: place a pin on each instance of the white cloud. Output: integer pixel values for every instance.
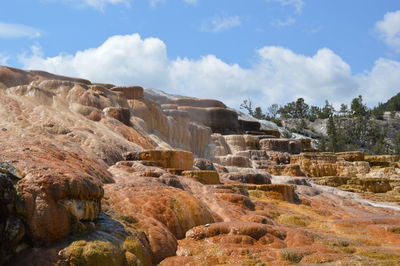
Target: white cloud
(382, 82)
(296, 4)
(3, 59)
(388, 29)
(9, 30)
(218, 24)
(96, 4)
(284, 23)
(278, 76)
(120, 59)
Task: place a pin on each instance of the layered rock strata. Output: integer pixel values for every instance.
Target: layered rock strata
(94, 174)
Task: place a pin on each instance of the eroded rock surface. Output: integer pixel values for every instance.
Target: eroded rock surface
(96, 174)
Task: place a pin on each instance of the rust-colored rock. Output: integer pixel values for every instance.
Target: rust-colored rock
(316, 164)
(131, 92)
(374, 185)
(176, 209)
(121, 114)
(351, 156)
(286, 170)
(203, 164)
(352, 169)
(382, 160)
(242, 201)
(279, 157)
(271, 132)
(249, 178)
(11, 77)
(306, 143)
(238, 143)
(278, 191)
(178, 159)
(58, 189)
(60, 149)
(295, 146)
(254, 230)
(280, 145)
(206, 177)
(233, 160)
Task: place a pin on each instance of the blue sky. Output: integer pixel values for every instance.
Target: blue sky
(271, 51)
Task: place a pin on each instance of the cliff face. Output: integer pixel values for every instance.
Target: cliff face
(95, 174)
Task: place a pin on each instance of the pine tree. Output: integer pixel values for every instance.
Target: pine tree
(258, 113)
(331, 131)
(358, 109)
(344, 110)
(396, 144)
(321, 144)
(327, 111)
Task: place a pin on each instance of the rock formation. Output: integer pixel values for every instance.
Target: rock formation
(97, 174)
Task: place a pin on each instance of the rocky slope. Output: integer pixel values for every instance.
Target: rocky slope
(95, 174)
(389, 125)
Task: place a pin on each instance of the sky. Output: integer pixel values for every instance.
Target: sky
(268, 51)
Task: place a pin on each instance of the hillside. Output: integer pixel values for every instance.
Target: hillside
(99, 174)
(392, 105)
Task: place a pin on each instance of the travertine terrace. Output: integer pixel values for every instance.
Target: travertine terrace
(96, 174)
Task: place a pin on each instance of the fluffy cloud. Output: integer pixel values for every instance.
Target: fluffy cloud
(388, 29)
(382, 82)
(120, 59)
(278, 76)
(8, 30)
(218, 24)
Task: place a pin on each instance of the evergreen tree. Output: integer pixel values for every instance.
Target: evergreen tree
(327, 111)
(378, 111)
(358, 109)
(297, 109)
(301, 109)
(321, 144)
(332, 144)
(396, 144)
(344, 110)
(258, 113)
(315, 112)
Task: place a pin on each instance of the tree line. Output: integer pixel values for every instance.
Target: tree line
(299, 109)
(354, 127)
